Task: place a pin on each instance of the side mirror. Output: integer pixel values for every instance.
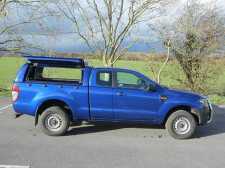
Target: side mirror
(151, 87)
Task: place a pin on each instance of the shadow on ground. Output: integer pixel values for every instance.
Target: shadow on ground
(215, 128)
(102, 127)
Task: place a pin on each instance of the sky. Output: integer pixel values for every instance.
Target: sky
(62, 40)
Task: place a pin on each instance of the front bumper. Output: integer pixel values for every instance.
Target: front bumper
(205, 114)
(212, 112)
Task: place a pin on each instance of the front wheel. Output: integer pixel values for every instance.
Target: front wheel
(54, 121)
(181, 125)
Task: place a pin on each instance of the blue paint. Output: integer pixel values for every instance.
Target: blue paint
(90, 101)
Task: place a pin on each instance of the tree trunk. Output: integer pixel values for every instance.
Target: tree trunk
(164, 64)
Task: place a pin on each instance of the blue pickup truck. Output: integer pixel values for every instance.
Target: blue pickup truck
(60, 91)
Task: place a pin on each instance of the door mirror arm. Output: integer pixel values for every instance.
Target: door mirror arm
(151, 88)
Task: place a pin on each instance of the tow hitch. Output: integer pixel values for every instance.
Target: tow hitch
(17, 115)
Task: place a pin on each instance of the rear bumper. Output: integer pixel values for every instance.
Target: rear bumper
(20, 108)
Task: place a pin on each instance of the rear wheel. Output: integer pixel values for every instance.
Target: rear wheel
(181, 125)
(54, 121)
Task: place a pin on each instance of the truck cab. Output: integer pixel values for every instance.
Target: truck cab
(58, 91)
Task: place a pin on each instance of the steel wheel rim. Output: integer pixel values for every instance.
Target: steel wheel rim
(182, 125)
(53, 122)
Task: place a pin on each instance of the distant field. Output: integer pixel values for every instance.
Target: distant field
(170, 75)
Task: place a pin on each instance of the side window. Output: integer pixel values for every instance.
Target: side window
(104, 79)
(129, 80)
(54, 74)
(62, 73)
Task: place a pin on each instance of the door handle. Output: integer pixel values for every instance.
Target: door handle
(120, 94)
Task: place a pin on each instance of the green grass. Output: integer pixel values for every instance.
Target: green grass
(170, 75)
(8, 69)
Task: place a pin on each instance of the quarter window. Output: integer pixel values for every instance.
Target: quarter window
(104, 79)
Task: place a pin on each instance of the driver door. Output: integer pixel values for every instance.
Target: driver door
(132, 101)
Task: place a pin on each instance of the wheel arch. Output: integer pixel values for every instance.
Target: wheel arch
(52, 102)
(187, 108)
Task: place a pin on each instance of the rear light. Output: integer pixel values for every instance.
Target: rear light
(15, 92)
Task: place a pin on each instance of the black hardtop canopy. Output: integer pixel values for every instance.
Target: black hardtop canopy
(56, 61)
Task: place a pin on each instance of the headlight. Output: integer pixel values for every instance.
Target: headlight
(204, 102)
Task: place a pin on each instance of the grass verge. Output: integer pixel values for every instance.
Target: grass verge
(171, 75)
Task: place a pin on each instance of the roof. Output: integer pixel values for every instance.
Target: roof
(56, 61)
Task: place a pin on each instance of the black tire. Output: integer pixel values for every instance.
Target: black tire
(54, 121)
(181, 125)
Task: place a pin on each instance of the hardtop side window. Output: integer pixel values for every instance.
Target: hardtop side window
(104, 78)
(54, 74)
(130, 80)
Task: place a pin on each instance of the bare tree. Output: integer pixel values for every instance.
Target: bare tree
(3, 12)
(167, 44)
(196, 34)
(10, 39)
(104, 25)
(161, 31)
(199, 33)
